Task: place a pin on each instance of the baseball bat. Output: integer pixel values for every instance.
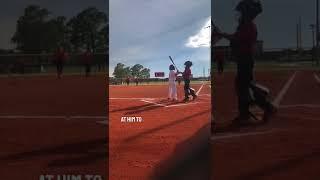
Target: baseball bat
(173, 63)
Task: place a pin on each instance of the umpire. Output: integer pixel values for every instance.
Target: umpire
(243, 43)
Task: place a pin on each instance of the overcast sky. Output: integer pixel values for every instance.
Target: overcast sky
(277, 24)
(10, 10)
(148, 31)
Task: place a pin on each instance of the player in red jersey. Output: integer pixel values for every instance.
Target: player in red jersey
(87, 58)
(243, 43)
(60, 58)
(187, 77)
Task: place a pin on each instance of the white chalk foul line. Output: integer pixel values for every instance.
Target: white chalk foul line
(197, 93)
(157, 104)
(185, 104)
(168, 106)
(51, 117)
(284, 90)
(32, 117)
(300, 105)
(316, 77)
(103, 122)
(237, 135)
(204, 95)
(128, 98)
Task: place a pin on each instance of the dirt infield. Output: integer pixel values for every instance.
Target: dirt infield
(52, 127)
(169, 135)
(285, 148)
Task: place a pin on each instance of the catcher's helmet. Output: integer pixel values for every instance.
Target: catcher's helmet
(171, 67)
(249, 8)
(188, 63)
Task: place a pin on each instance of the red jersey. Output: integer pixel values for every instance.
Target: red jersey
(244, 40)
(60, 56)
(87, 57)
(187, 73)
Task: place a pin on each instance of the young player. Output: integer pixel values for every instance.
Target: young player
(187, 77)
(172, 84)
(243, 43)
(128, 81)
(87, 58)
(59, 59)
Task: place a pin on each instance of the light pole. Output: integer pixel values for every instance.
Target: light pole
(312, 27)
(317, 30)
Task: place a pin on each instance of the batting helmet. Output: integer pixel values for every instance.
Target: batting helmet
(171, 67)
(249, 8)
(188, 63)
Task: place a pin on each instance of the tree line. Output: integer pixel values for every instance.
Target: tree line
(37, 31)
(122, 71)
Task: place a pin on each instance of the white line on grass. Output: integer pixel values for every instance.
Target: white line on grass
(316, 77)
(284, 90)
(237, 135)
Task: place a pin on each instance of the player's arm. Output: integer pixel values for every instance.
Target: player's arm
(226, 36)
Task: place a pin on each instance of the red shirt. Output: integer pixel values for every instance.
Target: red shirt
(187, 73)
(245, 38)
(87, 57)
(60, 56)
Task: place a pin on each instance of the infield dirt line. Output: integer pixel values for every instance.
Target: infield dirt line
(300, 105)
(186, 104)
(103, 122)
(200, 89)
(284, 90)
(129, 98)
(157, 104)
(316, 77)
(238, 135)
(51, 117)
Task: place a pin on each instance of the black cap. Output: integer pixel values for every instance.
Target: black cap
(249, 8)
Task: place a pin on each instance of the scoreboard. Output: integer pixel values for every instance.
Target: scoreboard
(159, 74)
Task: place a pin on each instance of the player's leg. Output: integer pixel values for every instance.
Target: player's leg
(244, 77)
(219, 64)
(174, 92)
(170, 91)
(88, 70)
(58, 69)
(263, 101)
(186, 89)
(61, 69)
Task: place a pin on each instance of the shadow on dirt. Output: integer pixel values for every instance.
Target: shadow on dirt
(189, 161)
